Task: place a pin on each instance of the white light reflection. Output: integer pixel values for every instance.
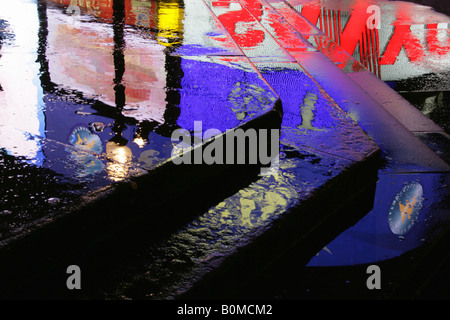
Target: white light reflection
(21, 101)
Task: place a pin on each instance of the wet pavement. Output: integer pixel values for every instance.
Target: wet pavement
(409, 52)
(91, 93)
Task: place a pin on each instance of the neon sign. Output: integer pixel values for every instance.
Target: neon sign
(379, 48)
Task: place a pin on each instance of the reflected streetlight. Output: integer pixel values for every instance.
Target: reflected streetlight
(119, 156)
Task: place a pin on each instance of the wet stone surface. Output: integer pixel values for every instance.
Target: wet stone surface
(104, 90)
(90, 99)
(311, 118)
(409, 50)
(169, 268)
(99, 99)
(22, 202)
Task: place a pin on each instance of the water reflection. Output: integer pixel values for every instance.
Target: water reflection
(411, 40)
(85, 154)
(386, 232)
(93, 95)
(96, 59)
(120, 156)
(115, 68)
(22, 112)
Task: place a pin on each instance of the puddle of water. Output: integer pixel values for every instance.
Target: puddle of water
(391, 228)
(124, 78)
(93, 92)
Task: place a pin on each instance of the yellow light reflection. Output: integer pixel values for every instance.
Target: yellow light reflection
(170, 24)
(120, 161)
(256, 204)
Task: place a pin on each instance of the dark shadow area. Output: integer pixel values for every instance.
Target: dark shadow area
(103, 229)
(288, 278)
(434, 104)
(439, 142)
(274, 260)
